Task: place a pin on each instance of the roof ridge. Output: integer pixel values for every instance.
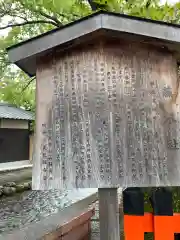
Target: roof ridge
(12, 105)
(7, 104)
(91, 15)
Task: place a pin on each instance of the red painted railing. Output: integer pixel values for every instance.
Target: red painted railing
(163, 227)
(162, 222)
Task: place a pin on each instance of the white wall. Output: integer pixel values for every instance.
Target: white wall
(11, 123)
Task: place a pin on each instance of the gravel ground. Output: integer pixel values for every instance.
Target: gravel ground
(32, 206)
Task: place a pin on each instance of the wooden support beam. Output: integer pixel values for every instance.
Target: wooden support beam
(109, 214)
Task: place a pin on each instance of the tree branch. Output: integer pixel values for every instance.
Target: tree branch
(92, 5)
(27, 85)
(42, 13)
(53, 18)
(18, 16)
(28, 23)
(3, 14)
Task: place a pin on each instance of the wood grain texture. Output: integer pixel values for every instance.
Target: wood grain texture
(106, 118)
(109, 214)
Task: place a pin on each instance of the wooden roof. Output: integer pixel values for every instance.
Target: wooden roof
(164, 34)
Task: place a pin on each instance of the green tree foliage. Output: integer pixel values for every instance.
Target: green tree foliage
(23, 19)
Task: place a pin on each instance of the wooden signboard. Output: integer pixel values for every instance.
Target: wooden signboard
(107, 103)
(107, 107)
(105, 118)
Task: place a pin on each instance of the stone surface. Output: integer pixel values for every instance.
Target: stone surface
(11, 188)
(1, 192)
(20, 188)
(10, 184)
(32, 206)
(16, 176)
(8, 191)
(27, 186)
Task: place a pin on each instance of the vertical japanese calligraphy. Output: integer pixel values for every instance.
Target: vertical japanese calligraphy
(103, 123)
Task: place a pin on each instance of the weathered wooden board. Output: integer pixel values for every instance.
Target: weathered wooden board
(109, 214)
(106, 118)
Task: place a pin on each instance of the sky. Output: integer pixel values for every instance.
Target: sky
(169, 1)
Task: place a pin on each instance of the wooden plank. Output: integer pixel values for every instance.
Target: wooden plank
(78, 233)
(77, 226)
(109, 214)
(77, 221)
(107, 116)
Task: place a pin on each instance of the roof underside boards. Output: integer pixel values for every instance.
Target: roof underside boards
(25, 53)
(11, 112)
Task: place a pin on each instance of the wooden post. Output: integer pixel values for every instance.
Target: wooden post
(109, 214)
